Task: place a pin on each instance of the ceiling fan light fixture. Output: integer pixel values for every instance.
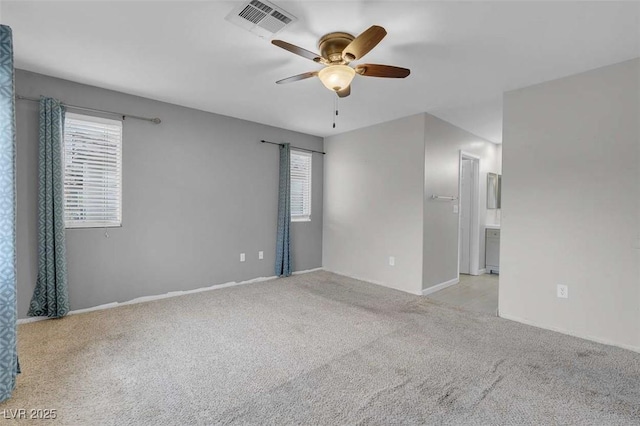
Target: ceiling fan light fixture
(336, 77)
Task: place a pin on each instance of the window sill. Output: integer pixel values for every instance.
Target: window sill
(304, 219)
(93, 226)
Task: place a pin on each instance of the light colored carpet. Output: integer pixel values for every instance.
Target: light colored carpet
(317, 349)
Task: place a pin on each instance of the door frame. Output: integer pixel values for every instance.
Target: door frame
(474, 243)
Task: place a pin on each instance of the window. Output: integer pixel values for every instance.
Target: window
(300, 186)
(92, 172)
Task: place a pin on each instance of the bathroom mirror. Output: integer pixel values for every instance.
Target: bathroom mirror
(494, 184)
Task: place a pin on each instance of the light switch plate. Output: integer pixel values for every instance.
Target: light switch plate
(392, 261)
(455, 208)
(242, 258)
(260, 255)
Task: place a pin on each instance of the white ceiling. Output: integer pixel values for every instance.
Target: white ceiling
(462, 56)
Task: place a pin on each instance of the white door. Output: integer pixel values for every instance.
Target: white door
(466, 200)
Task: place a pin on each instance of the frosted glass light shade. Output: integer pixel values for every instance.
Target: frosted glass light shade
(336, 77)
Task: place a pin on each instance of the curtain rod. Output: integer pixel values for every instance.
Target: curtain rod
(295, 147)
(153, 120)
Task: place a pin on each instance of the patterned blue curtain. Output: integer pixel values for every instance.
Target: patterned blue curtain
(50, 297)
(8, 313)
(283, 256)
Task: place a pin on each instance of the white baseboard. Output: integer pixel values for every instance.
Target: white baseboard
(440, 286)
(482, 271)
(164, 296)
(569, 333)
(370, 281)
(31, 319)
(306, 271)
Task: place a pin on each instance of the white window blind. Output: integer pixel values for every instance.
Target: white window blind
(300, 186)
(92, 172)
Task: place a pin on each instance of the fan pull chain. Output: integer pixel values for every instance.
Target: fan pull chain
(335, 108)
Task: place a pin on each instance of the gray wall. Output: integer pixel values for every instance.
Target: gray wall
(571, 205)
(373, 203)
(443, 142)
(198, 190)
(378, 181)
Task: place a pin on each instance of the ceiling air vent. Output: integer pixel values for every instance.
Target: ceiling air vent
(262, 18)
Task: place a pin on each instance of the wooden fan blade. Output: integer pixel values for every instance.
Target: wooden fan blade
(297, 77)
(362, 44)
(297, 50)
(385, 71)
(344, 92)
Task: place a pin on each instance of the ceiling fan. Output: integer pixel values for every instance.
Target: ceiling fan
(337, 50)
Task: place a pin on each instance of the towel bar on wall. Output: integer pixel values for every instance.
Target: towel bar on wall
(443, 197)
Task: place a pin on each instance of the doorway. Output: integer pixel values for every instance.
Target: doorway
(477, 293)
(468, 218)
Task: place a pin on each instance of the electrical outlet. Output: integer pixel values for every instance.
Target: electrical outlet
(455, 208)
(392, 261)
(241, 257)
(260, 255)
(563, 291)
